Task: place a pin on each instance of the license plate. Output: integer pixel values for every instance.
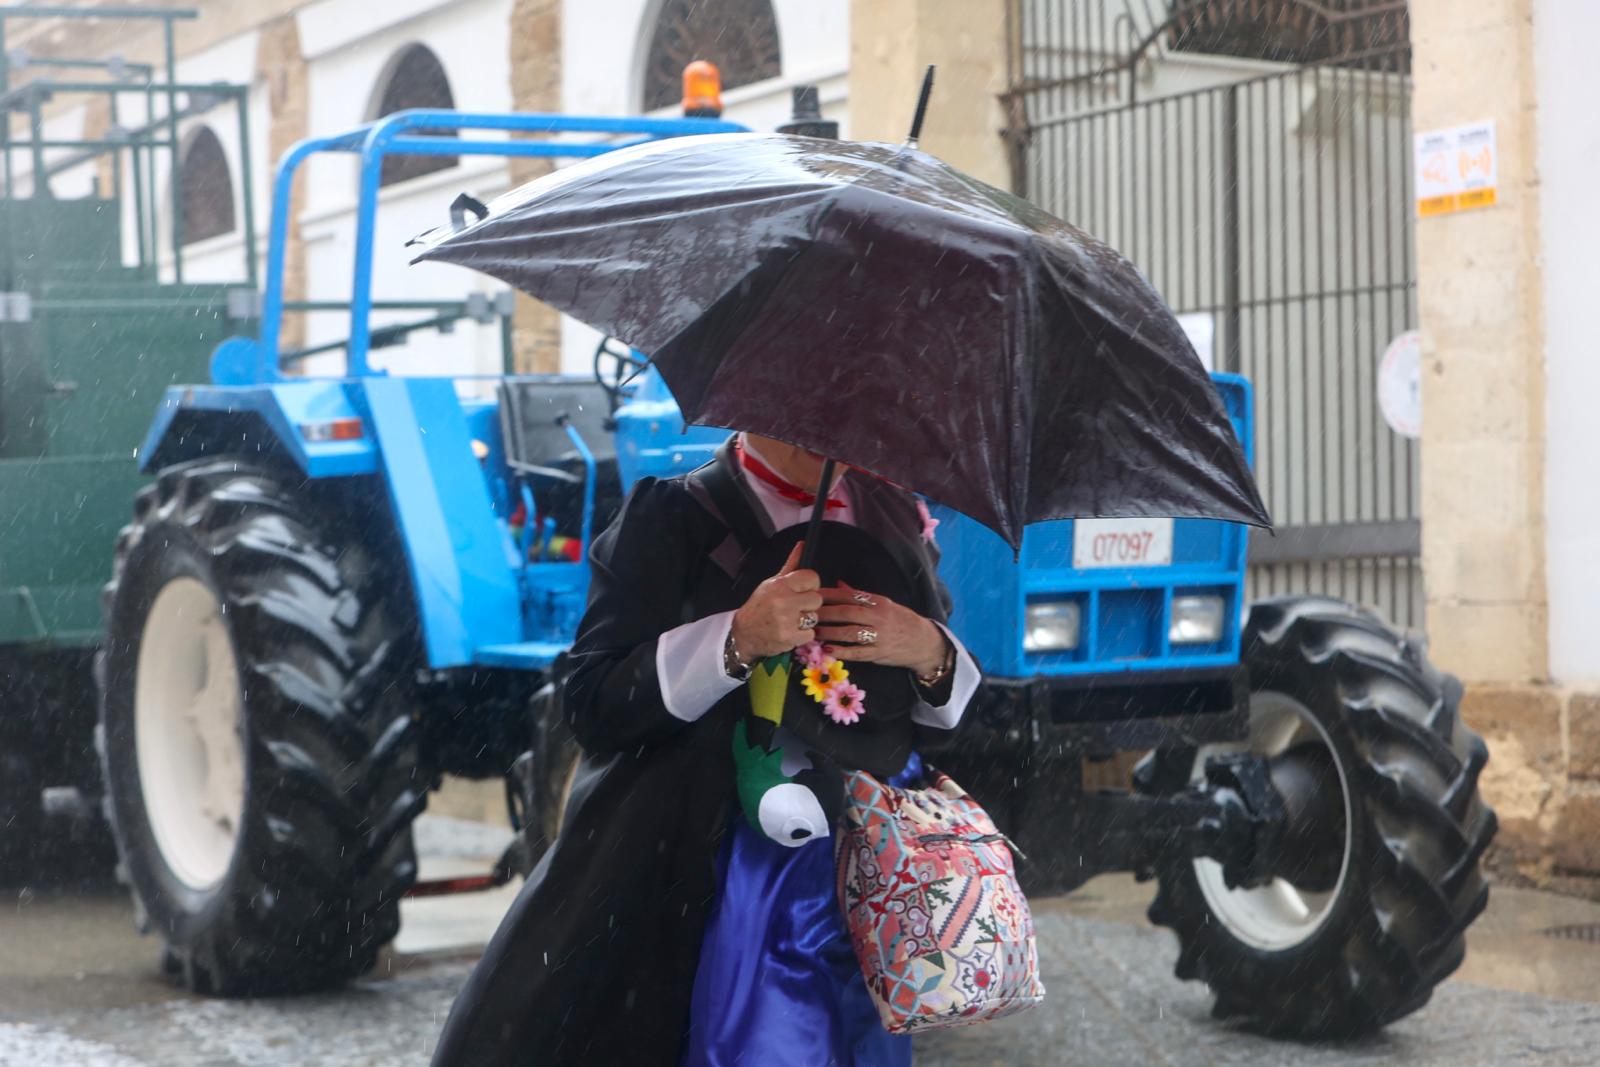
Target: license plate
(1121, 543)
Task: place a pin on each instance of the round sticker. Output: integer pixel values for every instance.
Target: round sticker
(1400, 385)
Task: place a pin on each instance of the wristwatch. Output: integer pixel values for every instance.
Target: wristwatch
(732, 665)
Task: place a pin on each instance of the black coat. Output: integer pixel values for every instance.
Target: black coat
(595, 961)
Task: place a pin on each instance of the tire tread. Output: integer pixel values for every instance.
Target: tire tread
(319, 632)
(1416, 774)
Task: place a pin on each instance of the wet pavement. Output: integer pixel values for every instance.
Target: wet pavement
(80, 988)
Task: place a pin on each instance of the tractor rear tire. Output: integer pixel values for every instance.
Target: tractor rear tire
(257, 735)
(1401, 881)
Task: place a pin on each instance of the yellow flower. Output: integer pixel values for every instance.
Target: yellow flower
(818, 679)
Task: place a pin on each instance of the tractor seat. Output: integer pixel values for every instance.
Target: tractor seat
(532, 412)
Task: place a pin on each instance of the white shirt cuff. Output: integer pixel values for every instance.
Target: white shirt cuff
(689, 666)
(964, 680)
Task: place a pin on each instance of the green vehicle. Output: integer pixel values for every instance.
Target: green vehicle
(96, 319)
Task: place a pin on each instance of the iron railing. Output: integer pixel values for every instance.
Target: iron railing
(1270, 205)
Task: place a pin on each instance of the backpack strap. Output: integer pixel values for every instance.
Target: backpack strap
(717, 489)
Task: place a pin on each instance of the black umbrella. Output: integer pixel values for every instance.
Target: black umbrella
(872, 304)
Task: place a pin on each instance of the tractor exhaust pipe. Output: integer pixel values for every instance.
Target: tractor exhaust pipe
(807, 120)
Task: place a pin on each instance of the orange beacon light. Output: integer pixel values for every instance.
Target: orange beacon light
(702, 91)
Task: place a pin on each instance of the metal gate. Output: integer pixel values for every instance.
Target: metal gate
(1253, 158)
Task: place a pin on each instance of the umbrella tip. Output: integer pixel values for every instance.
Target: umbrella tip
(922, 107)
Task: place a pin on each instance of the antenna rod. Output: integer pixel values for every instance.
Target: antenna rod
(922, 107)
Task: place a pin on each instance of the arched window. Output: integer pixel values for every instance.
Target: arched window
(739, 36)
(205, 190)
(416, 80)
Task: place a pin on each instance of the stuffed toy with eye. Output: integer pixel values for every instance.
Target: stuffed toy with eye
(812, 717)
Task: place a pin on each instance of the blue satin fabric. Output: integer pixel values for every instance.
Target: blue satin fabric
(778, 983)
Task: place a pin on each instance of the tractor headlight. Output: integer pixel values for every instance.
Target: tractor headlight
(1196, 620)
(1051, 626)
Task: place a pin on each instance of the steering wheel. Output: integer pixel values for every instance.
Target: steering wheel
(615, 365)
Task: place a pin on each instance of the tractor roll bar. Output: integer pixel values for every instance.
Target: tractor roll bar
(406, 133)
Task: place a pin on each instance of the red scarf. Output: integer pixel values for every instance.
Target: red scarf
(778, 483)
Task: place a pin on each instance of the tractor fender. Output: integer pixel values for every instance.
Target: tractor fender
(314, 422)
(412, 434)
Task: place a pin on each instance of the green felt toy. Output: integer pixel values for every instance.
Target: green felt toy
(787, 794)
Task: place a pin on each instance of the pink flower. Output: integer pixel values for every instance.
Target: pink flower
(811, 654)
(929, 523)
(843, 703)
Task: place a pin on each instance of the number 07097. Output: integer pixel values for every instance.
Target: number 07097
(1121, 543)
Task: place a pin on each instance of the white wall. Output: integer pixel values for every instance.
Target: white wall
(348, 46)
(1569, 159)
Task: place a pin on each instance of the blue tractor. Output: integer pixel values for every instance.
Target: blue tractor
(339, 589)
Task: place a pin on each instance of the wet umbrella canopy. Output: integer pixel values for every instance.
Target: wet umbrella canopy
(872, 304)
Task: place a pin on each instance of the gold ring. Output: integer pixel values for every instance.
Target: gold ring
(808, 620)
(865, 636)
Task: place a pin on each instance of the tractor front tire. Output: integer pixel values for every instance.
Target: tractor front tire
(257, 735)
(1378, 917)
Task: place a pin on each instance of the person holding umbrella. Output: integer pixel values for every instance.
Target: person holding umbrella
(662, 928)
(869, 304)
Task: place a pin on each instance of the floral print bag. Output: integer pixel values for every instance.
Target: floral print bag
(930, 894)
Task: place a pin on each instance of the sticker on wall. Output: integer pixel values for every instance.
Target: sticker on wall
(1457, 169)
(1400, 385)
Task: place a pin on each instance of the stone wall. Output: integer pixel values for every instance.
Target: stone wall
(1479, 296)
(1543, 779)
(535, 41)
(891, 44)
(281, 65)
(1482, 297)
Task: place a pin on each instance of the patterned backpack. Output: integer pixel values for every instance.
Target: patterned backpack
(930, 895)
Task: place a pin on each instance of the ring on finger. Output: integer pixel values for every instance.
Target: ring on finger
(808, 620)
(865, 636)
(863, 598)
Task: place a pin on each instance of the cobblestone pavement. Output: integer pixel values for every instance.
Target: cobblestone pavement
(79, 989)
(1113, 1000)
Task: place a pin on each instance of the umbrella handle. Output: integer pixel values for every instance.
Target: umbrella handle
(814, 526)
(922, 107)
